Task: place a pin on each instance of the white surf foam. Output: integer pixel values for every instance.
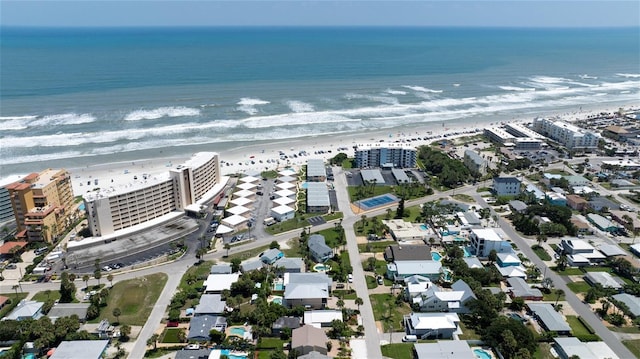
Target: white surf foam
(586, 77)
(17, 118)
(161, 112)
(634, 76)
(382, 99)
(395, 92)
(248, 105)
(515, 88)
(422, 89)
(299, 106)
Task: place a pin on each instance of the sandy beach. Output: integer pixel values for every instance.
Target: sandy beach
(254, 159)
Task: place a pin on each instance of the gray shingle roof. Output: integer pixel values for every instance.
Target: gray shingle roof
(551, 319)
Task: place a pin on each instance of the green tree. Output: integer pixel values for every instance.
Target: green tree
(274, 245)
(85, 278)
(493, 256)
(559, 293)
(371, 264)
(235, 264)
(227, 246)
(97, 274)
(125, 331)
(400, 210)
(153, 341)
(67, 288)
(359, 302)
(110, 279)
(116, 313)
(217, 336)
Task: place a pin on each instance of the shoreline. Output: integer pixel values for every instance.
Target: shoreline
(239, 157)
(238, 160)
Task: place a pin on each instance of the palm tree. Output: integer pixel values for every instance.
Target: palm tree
(116, 313)
(547, 283)
(340, 303)
(85, 278)
(359, 302)
(559, 293)
(153, 340)
(227, 246)
(110, 278)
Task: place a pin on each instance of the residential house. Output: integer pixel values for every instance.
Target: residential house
(290, 265)
(548, 318)
(316, 171)
(3, 301)
(405, 231)
(444, 349)
(216, 283)
(198, 354)
(576, 202)
(511, 271)
(506, 186)
(80, 349)
(321, 318)
(508, 259)
(307, 339)
(104, 330)
(600, 203)
(200, 326)
(484, 240)
(580, 253)
(310, 290)
(431, 325)
(434, 299)
(68, 309)
(533, 190)
(407, 252)
(314, 355)
(210, 304)
(611, 250)
(220, 269)
(475, 163)
(635, 249)
(271, 256)
(620, 217)
(251, 265)
(603, 224)
(416, 285)
(285, 322)
(399, 270)
(576, 181)
(556, 199)
(518, 206)
(605, 279)
(318, 249)
(469, 219)
(572, 347)
(473, 262)
(283, 213)
(518, 288)
(581, 227)
(26, 309)
(632, 302)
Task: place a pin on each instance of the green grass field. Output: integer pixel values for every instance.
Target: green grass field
(579, 287)
(633, 345)
(398, 350)
(374, 246)
(577, 328)
(381, 303)
(171, 335)
(541, 253)
(135, 298)
(42, 296)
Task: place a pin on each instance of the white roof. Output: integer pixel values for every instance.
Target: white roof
(220, 282)
(508, 258)
(238, 210)
(306, 291)
(246, 185)
(241, 201)
(234, 220)
(418, 267)
(287, 179)
(244, 193)
(284, 193)
(449, 296)
(434, 321)
(635, 247)
(285, 185)
(512, 271)
(287, 172)
(282, 209)
(322, 316)
(222, 229)
(283, 201)
(249, 179)
(488, 234)
(80, 349)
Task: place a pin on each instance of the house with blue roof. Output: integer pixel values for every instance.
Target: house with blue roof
(318, 249)
(271, 256)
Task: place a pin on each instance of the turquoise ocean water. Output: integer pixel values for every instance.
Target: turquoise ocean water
(70, 97)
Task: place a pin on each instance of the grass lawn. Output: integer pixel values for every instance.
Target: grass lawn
(299, 222)
(398, 351)
(463, 198)
(14, 301)
(552, 296)
(270, 343)
(632, 329)
(598, 269)
(541, 252)
(374, 246)
(570, 271)
(468, 333)
(135, 298)
(294, 248)
(171, 335)
(371, 282)
(579, 287)
(42, 296)
(577, 328)
(370, 191)
(345, 293)
(381, 303)
(633, 345)
(543, 351)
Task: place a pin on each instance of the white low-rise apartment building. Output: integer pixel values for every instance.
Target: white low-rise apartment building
(569, 135)
(397, 155)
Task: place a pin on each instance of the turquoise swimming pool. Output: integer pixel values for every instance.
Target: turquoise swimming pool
(482, 354)
(227, 352)
(278, 286)
(424, 227)
(466, 252)
(436, 256)
(237, 331)
(277, 300)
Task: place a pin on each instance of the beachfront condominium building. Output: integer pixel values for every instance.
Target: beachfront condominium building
(42, 204)
(316, 172)
(120, 207)
(385, 155)
(570, 136)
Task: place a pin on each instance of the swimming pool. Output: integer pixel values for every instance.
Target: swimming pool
(378, 201)
(239, 331)
(304, 185)
(278, 286)
(482, 354)
(277, 300)
(321, 267)
(81, 207)
(227, 352)
(423, 227)
(466, 252)
(436, 256)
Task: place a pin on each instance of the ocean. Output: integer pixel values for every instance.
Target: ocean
(75, 97)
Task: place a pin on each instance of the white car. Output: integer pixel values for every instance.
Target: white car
(350, 278)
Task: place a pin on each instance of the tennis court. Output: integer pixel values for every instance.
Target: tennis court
(375, 202)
